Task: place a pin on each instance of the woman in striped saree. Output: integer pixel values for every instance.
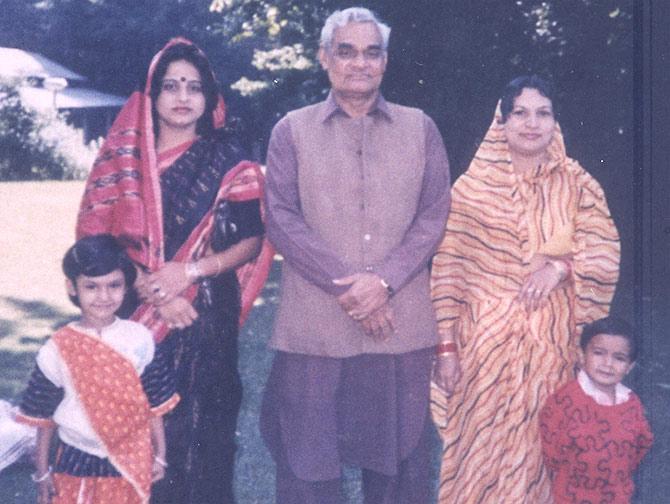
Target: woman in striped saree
(530, 254)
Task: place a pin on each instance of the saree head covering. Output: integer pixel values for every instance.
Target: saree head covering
(512, 359)
(123, 198)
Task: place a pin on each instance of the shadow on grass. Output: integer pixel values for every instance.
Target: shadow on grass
(254, 468)
(254, 471)
(7, 327)
(15, 484)
(32, 311)
(23, 328)
(16, 368)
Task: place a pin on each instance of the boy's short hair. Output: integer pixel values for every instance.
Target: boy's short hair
(614, 326)
(97, 255)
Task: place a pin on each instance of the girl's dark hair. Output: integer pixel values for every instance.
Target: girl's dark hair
(613, 326)
(210, 89)
(516, 86)
(97, 255)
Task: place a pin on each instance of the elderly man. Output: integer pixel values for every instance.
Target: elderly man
(357, 199)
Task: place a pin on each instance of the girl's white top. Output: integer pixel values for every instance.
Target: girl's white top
(130, 339)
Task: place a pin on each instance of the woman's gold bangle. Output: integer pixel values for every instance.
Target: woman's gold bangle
(445, 354)
(193, 271)
(446, 347)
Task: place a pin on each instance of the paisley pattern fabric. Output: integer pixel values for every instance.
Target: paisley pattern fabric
(93, 491)
(513, 359)
(111, 392)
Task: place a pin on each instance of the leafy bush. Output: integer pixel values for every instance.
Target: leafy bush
(39, 145)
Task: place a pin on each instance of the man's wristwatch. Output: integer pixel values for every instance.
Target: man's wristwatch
(388, 288)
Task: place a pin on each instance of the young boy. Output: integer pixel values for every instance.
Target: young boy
(594, 432)
(98, 383)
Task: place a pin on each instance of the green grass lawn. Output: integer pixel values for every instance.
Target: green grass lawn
(38, 226)
(33, 303)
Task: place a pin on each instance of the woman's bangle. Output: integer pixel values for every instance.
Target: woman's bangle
(446, 354)
(161, 462)
(44, 477)
(219, 266)
(193, 271)
(446, 348)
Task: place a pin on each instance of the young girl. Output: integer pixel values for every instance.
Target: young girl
(98, 383)
(594, 432)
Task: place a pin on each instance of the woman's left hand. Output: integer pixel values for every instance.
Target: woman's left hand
(165, 284)
(447, 372)
(538, 285)
(177, 313)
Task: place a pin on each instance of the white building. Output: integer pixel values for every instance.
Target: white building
(44, 84)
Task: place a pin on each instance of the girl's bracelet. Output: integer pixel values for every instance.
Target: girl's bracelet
(161, 462)
(40, 479)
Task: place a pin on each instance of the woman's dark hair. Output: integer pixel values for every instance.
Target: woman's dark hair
(613, 326)
(516, 86)
(97, 255)
(210, 89)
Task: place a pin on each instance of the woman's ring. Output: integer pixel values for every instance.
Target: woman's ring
(162, 295)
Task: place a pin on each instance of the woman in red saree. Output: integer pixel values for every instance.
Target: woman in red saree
(165, 165)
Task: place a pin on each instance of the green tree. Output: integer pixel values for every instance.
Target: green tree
(110, 41)
(452, 58)
(448, 57)
(38, 145)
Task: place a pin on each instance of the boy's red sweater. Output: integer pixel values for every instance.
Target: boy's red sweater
(592, 449)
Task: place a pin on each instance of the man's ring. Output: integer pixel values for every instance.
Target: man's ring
(155, 289)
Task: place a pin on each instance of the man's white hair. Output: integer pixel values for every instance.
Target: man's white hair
(339, 19)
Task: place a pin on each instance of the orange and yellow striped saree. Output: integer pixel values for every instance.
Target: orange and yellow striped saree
(513, 359)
